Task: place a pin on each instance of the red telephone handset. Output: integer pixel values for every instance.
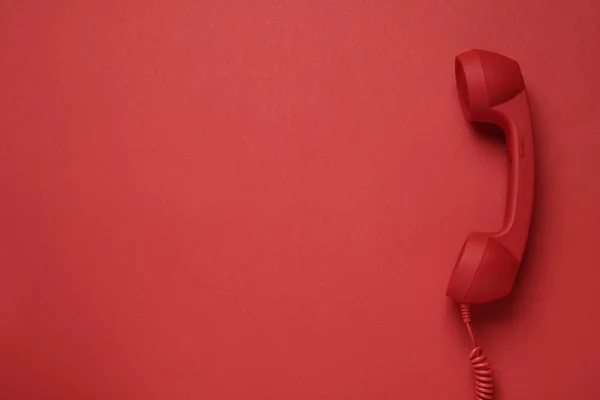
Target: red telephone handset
(491, 89)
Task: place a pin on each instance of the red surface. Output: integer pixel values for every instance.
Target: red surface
(492, 91)
(265, 200)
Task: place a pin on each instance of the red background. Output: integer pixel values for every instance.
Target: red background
(264, 200)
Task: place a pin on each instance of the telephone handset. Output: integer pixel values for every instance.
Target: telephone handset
(491, 90)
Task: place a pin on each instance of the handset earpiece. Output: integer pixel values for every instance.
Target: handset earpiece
(491, 90)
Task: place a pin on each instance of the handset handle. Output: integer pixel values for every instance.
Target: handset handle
(514, 117)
